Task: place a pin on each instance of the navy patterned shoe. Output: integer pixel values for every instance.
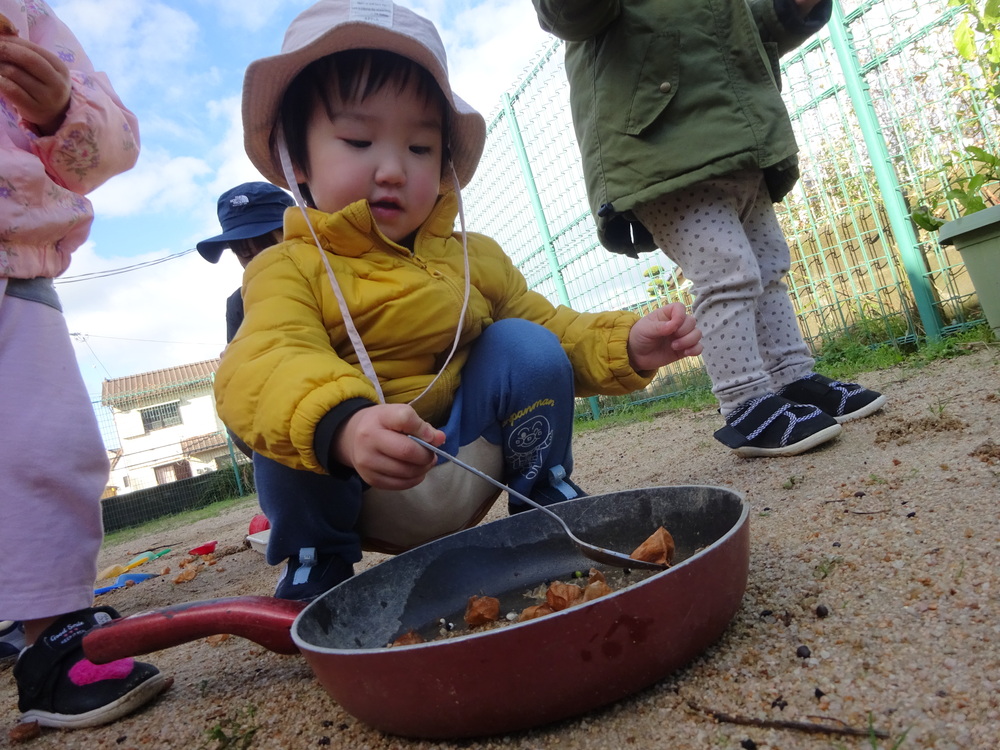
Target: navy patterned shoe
(774, 426)
(842, 401)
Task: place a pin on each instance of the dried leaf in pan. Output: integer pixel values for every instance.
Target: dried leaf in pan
(658, 548)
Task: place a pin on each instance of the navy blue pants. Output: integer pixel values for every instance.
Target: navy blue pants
(516, 391)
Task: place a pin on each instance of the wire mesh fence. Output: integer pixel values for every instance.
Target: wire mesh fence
(881, 105)
(882, 108)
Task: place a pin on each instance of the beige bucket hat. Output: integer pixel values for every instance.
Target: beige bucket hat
(333, 26)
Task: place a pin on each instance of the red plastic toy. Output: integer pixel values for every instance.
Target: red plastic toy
(259, 523)
(203, 549)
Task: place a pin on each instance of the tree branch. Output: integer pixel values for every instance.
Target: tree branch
(799, 726)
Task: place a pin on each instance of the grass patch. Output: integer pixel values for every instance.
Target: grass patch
(168, 523)
(841, 358)
(234, 732)
(693, 399)
(956, 345)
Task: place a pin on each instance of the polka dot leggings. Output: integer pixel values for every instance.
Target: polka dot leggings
(725, 236)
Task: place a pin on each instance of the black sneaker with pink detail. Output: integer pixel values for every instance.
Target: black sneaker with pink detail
(842, 401)
(59, 687)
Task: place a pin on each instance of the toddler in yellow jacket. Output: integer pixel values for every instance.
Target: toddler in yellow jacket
(374, 320)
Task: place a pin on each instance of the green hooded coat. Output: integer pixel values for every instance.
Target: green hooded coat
(668, 93)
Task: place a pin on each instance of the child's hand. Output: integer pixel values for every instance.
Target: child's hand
(665, 335)
(374, 442)
(35, 81)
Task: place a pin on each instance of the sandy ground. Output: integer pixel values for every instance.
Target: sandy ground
(893, 530)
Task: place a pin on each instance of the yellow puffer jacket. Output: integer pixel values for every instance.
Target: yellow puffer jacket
(291, 361)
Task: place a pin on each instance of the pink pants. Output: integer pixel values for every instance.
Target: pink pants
(53, 467)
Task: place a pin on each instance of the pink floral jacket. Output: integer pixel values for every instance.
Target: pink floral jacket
(43, 214)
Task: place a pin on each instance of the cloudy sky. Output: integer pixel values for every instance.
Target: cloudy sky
(178, 64)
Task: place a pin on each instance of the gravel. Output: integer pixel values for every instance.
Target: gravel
(871, 601)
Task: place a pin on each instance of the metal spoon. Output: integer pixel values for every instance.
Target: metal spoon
(592, 551)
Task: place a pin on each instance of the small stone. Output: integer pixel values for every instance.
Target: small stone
(803, 652)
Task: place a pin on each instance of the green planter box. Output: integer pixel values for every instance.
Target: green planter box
(977, 239)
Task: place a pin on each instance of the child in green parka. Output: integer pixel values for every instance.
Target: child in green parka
(374, 320)
(686, 144)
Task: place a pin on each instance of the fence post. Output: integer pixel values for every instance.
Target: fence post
(229, 444)
(236, 466)
(542, 223)
(885, 174)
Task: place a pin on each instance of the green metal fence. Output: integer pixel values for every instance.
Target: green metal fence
(879, 101)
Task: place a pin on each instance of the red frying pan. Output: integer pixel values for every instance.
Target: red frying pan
(511, 677)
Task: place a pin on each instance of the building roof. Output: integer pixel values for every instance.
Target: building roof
(129, 391)
(202, 443)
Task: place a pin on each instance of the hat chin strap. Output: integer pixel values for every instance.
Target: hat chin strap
(352, 332)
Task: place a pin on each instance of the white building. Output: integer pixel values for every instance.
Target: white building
(167, 426)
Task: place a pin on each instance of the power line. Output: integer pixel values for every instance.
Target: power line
(83, 337)
(149, 341)
(123, 269)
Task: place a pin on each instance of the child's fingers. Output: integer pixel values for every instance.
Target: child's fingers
(35, 80)
(404, 421)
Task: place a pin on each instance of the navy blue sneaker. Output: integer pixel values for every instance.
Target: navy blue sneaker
(557, 488)
(310, 575)
(842, 401)
(11, 639)
(774, 426)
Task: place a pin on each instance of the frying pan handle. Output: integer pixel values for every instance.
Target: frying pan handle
(262, 619)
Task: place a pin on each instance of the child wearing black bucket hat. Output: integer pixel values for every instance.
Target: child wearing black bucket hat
(375, 319)
(251, 216)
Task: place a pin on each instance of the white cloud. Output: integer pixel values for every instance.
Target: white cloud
(158, 183)
(234, 166)
(162, 316)
(138, 44)
(489, 46)
(255, 16)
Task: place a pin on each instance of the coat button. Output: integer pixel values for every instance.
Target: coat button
(665, 87)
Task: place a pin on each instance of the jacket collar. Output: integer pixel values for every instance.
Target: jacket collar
(341, 232)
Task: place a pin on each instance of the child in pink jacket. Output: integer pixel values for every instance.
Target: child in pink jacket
(63, 132)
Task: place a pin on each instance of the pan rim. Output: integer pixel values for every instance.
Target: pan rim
(737, 526)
